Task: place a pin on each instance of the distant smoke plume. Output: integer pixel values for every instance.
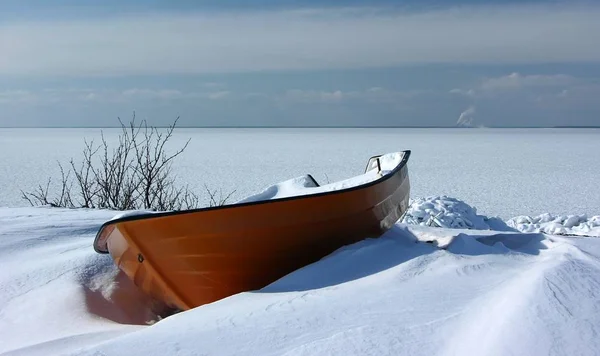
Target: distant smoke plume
(466, 117)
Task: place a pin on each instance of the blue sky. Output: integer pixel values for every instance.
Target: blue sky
(300, 63)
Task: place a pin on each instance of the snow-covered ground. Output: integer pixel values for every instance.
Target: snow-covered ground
(475, 286)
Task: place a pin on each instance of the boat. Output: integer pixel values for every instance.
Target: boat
(193, 257)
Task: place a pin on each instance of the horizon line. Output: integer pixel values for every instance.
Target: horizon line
(314, 127)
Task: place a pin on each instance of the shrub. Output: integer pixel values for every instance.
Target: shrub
(136, 174)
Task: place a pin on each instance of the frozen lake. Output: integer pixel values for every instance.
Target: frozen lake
(504, 172)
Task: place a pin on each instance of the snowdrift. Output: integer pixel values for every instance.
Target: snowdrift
(475, 285)
(557, 225)
(447, 212)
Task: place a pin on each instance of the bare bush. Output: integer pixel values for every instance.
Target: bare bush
(136, 174)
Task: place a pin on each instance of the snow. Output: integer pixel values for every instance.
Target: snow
(561, 224)
(448, 212)
(443, 211)
(305, 185)
(476, 285)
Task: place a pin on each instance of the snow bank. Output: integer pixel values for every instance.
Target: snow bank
(392, 295)
(557, 224)
(56, 293)
(447, 212)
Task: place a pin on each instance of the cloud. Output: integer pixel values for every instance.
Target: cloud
(469, 92)
(580, 97)
(72, 95)
(218, 95)
(466, 117)
(518, 81)
(153, 94)
(519, 99)
(370, 95)
(313, 96)
(131, 95)
(29, 97)
(213, 85)
(299, 40)
(14, 96)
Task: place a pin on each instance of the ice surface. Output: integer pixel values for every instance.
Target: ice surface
(503, 172)
(487, 292)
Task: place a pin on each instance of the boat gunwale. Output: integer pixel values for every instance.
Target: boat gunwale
(392, 173)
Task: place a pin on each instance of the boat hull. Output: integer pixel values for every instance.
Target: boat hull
(190, 258)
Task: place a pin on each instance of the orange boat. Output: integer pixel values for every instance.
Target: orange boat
(193, 257)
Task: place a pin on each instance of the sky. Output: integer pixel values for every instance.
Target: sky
(451, 63)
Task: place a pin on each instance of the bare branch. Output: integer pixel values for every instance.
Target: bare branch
(136, 174)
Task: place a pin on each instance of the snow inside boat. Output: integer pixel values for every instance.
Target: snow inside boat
(193, 257)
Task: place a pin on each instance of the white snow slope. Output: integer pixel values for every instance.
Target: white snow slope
(486, 292)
